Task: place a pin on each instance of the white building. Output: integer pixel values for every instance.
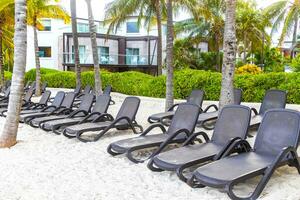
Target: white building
(131, 47)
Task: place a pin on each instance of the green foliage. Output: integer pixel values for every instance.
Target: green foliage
(136, 83)
(248, 69)
(274, 60)
(296, 63)
(7, 75)
(186, 56)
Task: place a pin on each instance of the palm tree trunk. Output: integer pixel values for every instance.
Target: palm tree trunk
(37, 64)
(229, 55)
(10, 129)
(1, 60)
(93, 35)
(75, 42)
(245, 49)
(170, 40)
(159, 42)
(295, 35)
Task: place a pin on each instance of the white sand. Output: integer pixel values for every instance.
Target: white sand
(46, 166)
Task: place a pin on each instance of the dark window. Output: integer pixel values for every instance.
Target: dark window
(45, 52)
(46, 24)
(132, 27)
(103, 53)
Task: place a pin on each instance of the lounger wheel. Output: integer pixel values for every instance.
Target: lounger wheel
(111, 152)
(151, 166)
(206, 127)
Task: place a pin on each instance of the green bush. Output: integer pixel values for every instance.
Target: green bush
(136, 83)
(296, 63)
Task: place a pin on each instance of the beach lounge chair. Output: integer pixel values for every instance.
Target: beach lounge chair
(125, 119)
(4, 98)
(273, 99)
(58, 99)
(181, 127)
(107, 90)
(25, 101)
(275, 146)
(51, 110)
(44, 86)
(80, 96)
(207, 116)
(232, 125)
(100, 107)
(196, 97)
(32, 107)
(46, 123)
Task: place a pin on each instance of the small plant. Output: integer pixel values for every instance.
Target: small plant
(296, 63)
(248, 69)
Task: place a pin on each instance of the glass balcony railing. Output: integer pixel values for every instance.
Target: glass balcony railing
(131, 60)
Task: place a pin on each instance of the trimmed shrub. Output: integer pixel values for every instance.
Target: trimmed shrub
(248, 69)
(136, 83)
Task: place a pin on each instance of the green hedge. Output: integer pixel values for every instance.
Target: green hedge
(136, 83)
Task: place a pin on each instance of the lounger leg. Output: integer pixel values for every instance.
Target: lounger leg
(179, 172)
(130, 156)
(192, 183)
(151, 166)
(151, 121)
(111, 152)
(67, 135)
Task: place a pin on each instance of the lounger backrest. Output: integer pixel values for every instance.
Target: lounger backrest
(44, 86)
(238, 93)
(129, 108)
(27, 85)
(77, 90)
(196, 97)
(7, 83)
(68, 100)
(87, 89)
(185, 117)
(32, 85)
(107, 90)
(233, 121)
(87, 102)
(45, 97)
(58, 99)
(273, 99)
(7, 92)
(101, 104)
(28, 94)
(279, 129)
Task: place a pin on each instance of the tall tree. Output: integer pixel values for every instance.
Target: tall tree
(75, 42)
(10, 129)
(158, 11)
(38, 9)
(93, 36)
(285, 14)
(170, 41)
(6, 35)
(228, 67)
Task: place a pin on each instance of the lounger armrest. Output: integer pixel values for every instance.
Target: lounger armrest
(151, 127)
(104, 115)
(173, 107)
(65, 111)
(254, 111)
(234, 145)
(211, 106)
(75, 112)
(193, 137)
(165, 143)
(88, 116)
(48, 107)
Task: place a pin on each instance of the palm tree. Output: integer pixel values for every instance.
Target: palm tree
(229, 55)
(75, 42)
(38, 9)
(10, 129)
(285, 13)
(6, 35)
(169, 63)
(93, 36)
